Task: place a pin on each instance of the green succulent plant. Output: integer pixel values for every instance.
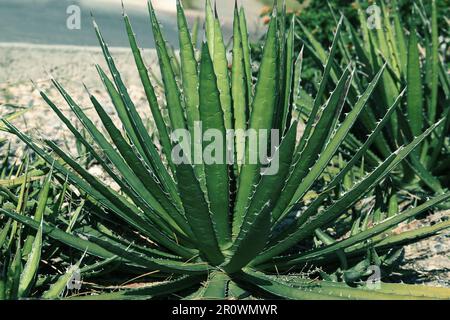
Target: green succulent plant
(22, 250)
(412, 52)
(217, 231)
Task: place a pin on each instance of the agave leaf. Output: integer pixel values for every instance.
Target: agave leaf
(105, 250)
(239, 88)
(221, 70)
(412, 236)
(279, 289)
(399, 35)
(311, 162)
(308, 221)
(60, 235)
(123, 204)
(217, 179)
(440, 142)
(362, 150)
(133, 125)
(434, 85)
(257, 221)
(415, 96)
(33, 175)
(130, 116)
(392, 291)
(189, 70)
(389, 35)
(82, 139)
(427, 177)
(75, 216)
(246, 54)
(324, 290)
(156, 197)
(150, 93)
(381, 35)
(172, 92)
(322, 87)
(102, 142)
(313, 147)
(135, 173)
(296, 85)
(195, 32)
(104, 195)
(13, 275)
(148, 292)
(289, 78)
(154, 161)
(316, 46)
(190, 82)
(39, 215)
(236, 291)
(151, 263)
(198, 214)
(22, 201)
(214, 288)
(4, 233)
(210, 29)
(2, 287)
(360, 50)
(126, 245)
(320, 253)
(416, 290)
(31, 267)
(261, 119)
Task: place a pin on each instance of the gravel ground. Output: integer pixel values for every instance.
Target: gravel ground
(71, 66)
(425, 262)
(428, 261)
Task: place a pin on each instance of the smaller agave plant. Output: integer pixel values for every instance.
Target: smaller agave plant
(411, 52)
(220, 230)
(23, 250)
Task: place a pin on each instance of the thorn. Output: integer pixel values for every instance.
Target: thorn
(95, 24)
(87, 90)
(34, 85)
(215, 10)
(275, 9)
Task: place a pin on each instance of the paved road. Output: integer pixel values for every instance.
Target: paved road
(44, 21)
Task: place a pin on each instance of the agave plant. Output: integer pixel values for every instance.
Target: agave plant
(30, 266)
(22, 250)
(221, 230)
(411, 52)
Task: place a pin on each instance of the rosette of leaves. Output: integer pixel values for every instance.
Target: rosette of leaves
(218, 231)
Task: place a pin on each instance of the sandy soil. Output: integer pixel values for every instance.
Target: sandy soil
(71, 66)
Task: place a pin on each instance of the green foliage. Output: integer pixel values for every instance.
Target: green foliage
(219, 230)
(410, 48)
(23, 250)
(321, 19)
